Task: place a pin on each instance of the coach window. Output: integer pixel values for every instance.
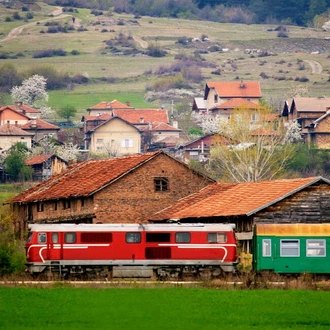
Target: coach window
(315, 248)
(266, 248)
(42, 238)
(216, 238)
(54, 238)
(70, 238)
(289, 248)
(133, 238)
(182, 237)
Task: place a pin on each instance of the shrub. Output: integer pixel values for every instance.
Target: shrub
(74, 52)
(182, 40)
(302, 79)
(79, 79)
(24, 8)
(8, 19)
(16, 15)
(29, 16)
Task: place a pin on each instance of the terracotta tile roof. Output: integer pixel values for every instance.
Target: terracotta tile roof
(148, 115)
(104, 105)
(311, 104)
(236, 103)
(157, 126)
(103, 116)
(13, 130)
(234, 199)
(85, 178)
(235, 88)
(19, 108)
(39, 159)
(40, 124)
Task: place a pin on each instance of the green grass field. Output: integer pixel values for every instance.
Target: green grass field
(174, 308)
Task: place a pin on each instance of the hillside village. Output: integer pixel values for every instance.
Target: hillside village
(139, 185)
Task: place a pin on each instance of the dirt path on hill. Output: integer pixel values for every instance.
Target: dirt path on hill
(142, 43)
(316, 66)
(18, 30)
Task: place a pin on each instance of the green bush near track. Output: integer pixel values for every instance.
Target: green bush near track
(174, 308)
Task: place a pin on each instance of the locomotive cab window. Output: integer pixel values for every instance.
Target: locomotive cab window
(182, 237)
(289, 248)
(266, 248)
(70, 238)
(315, 248)
(54, 238)
(42, 238)
(216, 237)
(133, 238)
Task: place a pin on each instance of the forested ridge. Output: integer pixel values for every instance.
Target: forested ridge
(299, 12)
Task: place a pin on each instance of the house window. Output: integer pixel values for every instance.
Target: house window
(289, 248)
(55, 206)
(40, 207)
(254, 117)
(193, 155)
(70, 238)
(99, 148)
(266, 248)
(133, 238)
(216, 238)
(66, 204)
(127, 143)
(215, 98)
(82, 202)
(182, 237)
(315, 248)
(161, 184)
(99, 140)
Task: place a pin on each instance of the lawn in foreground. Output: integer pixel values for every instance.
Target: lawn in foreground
(174, 308)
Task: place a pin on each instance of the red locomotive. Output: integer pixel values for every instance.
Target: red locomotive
(132, 250)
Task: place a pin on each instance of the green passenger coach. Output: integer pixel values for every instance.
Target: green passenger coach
(292, 248)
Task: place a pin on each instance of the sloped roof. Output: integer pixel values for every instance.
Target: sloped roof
(236, 103)
(105, 105)
(111, 119)
(19, 108)
(237, 199)
(86, 178)
(199, 103)
(234, 89)
(103, 116)
(12, 130)
(148, 115)
(310, 104)
(318, 120)
(39, 159)
(40, 124)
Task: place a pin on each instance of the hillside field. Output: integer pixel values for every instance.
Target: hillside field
(171, 308)
(124, 71)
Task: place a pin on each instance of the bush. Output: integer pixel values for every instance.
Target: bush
(16, 16)
(155, 51)
(8, 19)
(74, 52)
(29, 16)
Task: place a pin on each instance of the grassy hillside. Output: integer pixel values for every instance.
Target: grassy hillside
(124, 72)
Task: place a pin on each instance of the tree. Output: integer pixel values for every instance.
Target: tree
(67, 112)
(31, 92)
(257, 152)
(15, 163)
(8, 77)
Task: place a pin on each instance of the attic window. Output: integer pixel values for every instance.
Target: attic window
(215, 98)
(161, 184)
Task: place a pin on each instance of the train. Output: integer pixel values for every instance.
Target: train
(291, 248)
(161, 251)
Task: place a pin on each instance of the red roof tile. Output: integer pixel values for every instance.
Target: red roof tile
(13, 131)
(38, 159)
(234, 199)
(104, 105)
(21, 107)
(103, 116)
(85, 178)
(236, 103)
(139, 116)
(236, 88)
(40, 124)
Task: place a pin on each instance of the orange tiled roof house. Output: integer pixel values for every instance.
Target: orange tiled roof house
(119, 190)
(221, 98)
(279, 201)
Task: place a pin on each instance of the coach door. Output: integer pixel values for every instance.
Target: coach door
(54, 248)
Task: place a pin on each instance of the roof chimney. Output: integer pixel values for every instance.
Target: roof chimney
(128, 103)
(141, 120)
(33, 122)
(19, 106)
(242, 85)
(175, 124)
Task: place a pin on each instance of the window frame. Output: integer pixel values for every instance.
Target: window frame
(311, 248)
(161, 184)
(288, 240)
(44, 235)
(68, 241)
(134, 241)
(182, 240)
(217, 235)
(266, 250)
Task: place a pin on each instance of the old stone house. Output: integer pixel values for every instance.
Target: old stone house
(279, 201)
(318, 132)
(119, 190)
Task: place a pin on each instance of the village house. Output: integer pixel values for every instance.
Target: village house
(119, 190)
(115, 137)
(245, 204)
(40, 129)
(17, 112)
(309, 112)
(12, 134)
(106, 107)
(45, 166)
(221, 98)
